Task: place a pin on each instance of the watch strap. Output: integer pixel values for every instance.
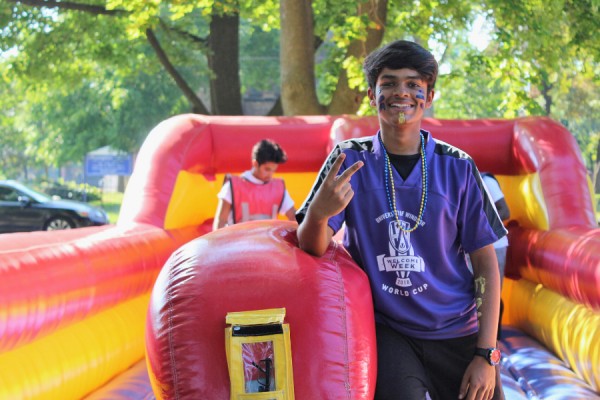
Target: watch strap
(487, 354)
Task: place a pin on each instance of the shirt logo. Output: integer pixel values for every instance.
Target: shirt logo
(402, 259)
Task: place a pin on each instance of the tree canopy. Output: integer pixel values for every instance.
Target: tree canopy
(82, 74)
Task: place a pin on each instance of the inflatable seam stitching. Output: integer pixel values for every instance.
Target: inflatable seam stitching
(170, 330)
(344, 319)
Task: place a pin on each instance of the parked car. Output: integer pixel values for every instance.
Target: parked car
(23, 209)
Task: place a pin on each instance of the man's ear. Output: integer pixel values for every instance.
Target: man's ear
(429, 101)
(255, 164)
(372, 101)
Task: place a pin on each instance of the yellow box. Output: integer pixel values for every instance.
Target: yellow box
(259, 356)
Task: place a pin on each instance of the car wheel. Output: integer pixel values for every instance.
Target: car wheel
(59, 223)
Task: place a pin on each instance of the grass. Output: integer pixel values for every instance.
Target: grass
(111, 203)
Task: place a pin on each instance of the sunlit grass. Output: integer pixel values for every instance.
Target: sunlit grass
(111, 203)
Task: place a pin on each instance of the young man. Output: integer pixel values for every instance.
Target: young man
(255, 194)
(413, 207)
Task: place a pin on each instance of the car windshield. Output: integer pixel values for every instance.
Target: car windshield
(37, 196)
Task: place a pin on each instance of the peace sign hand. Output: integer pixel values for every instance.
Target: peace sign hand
(335, 192)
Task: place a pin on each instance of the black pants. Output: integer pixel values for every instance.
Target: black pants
(409, 368)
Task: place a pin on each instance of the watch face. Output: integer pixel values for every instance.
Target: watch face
(495, 356)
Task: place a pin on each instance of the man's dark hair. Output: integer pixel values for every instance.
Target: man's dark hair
(268, 151)
(401, 54)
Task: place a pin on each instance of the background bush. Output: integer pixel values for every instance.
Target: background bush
(70, 190)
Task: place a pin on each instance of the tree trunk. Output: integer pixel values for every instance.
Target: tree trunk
(346, 100)
(297, 59)
(546, 87)
(277, 109)
(223, 60)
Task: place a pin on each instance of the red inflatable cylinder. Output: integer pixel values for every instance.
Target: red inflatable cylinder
(253, 266)
(564, 260)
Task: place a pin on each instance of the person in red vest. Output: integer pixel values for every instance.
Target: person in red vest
(255, 194)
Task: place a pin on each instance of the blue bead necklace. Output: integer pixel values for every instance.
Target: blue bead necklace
(390, 188)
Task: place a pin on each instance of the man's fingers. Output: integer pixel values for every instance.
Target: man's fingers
(347, 192)
(464, 385)
(335, 168)
(347, 174)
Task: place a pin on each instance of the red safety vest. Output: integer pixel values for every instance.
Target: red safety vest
(251, 201)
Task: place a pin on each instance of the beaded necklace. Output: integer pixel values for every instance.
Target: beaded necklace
(390, 177)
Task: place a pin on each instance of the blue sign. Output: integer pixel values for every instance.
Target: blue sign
(107, 164)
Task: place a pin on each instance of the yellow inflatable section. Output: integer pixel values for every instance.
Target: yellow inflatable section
(525, 198)
(568, 329)
(37, 370)
(194, 199)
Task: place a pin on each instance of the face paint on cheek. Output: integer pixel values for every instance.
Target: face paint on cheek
(381, 102)
(421, 96)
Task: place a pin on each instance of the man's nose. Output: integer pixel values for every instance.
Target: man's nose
(401, 90)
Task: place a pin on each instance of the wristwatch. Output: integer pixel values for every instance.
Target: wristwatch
(492, 355)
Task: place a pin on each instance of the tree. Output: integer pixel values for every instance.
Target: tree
(358, 36)
(297, 59)
(542, 59)
(214, 37)
(17, 154)
(535, 51)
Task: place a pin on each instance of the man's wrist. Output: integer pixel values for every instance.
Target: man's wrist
(491, 354)
(315, 217)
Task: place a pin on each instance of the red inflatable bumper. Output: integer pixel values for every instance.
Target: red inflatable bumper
(251, 266)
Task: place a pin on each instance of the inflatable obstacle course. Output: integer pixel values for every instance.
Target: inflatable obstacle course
(73, 303)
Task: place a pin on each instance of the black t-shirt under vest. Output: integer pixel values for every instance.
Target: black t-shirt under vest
(403, 163)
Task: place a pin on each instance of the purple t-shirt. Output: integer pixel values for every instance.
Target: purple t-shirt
(420, 281)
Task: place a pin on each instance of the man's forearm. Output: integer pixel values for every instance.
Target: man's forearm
(314, 235)
(487, 294)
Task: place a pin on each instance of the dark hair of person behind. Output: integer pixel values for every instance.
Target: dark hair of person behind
(401, 54)
(268, 151)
